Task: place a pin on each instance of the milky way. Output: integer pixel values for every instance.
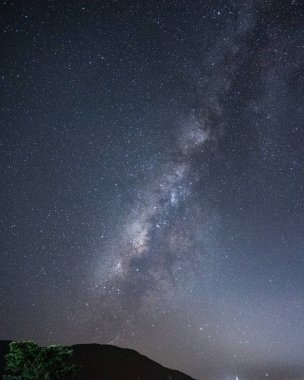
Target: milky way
(155, 213)
(152, 173)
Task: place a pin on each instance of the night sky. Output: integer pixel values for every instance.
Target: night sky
(152, 183)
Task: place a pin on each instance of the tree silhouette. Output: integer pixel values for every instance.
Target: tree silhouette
(28, 361)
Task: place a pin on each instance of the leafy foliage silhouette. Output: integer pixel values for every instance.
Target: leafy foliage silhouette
(28, 361)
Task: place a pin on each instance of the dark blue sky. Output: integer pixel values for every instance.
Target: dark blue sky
(152, 180)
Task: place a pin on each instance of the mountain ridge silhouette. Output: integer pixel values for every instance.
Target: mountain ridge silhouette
(102, 361)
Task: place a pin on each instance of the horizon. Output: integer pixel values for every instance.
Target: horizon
(252, 374)
(152, 175)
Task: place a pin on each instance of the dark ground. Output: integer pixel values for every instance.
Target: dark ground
(112, 363)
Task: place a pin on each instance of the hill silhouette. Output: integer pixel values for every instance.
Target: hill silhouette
(99, 362)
